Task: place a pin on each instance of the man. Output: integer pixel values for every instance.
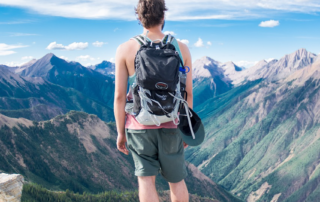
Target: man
(154, 148)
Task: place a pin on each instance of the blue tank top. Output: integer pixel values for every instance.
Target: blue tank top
(174, 42)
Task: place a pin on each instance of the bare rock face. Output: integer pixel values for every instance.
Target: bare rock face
(11, 187)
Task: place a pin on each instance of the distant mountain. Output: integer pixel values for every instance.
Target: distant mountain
(9, 78)
(35, 98)
(105, 67)
(75, 63)
(262, 140)
(211, 78)
(25, 66)
(77, 151)
(11, 69)
(17, 69)
(276, 70)
(40, 68)
(310, 72)
(73, 75)
(206, 67)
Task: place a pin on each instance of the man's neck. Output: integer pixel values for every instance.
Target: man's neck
(154, 32)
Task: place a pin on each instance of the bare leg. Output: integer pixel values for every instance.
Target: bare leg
(179, 192)
(147, 189)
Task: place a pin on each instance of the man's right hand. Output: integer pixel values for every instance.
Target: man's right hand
(121, 144)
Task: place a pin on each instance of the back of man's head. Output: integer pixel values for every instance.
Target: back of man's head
(150, 12)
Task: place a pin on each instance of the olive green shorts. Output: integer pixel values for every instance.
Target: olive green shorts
(157, 150)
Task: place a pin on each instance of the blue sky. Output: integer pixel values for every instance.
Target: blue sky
(242, 31)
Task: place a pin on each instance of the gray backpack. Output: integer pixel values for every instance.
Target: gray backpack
(159, 89)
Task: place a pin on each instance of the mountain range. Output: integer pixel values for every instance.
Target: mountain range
(51, 86)
(263, 134)
(77, 151)
(40, 114)
(262, 123)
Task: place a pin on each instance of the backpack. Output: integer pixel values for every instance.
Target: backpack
(158, 91)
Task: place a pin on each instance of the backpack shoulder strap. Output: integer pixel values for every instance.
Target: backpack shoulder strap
(140, 39)
(168, 38)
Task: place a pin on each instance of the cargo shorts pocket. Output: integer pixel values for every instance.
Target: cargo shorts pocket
(140, 141)
(171, 140)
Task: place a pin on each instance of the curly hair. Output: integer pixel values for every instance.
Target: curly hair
(150, 12)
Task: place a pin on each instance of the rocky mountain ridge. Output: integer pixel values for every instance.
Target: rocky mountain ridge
(36, 98)
(262, 135)
(105, 67)
(212, 78)
(78, 153)
(262, 122)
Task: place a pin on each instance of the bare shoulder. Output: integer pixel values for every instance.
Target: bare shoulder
(183, 46)
(185, 51)
(127, 47)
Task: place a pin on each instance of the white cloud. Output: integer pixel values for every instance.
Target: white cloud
(72, 46)
(185, 41)
(246, 64)
(85, 58)
(178, 9)
(270, 23)
(27, 58)
(6, 49)
(99, 43)
(111, 60)
(170, 32)
(209, 43)
(54, 45)
(199, 43)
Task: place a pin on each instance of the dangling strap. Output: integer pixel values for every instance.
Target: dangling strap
(189, 114)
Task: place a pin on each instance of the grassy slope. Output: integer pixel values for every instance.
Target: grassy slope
(207, 88)
(56, 158)
(243, 150)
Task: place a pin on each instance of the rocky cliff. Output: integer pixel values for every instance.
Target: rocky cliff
(11, 187)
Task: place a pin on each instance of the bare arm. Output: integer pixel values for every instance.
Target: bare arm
(187, 62)
(121, 82)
